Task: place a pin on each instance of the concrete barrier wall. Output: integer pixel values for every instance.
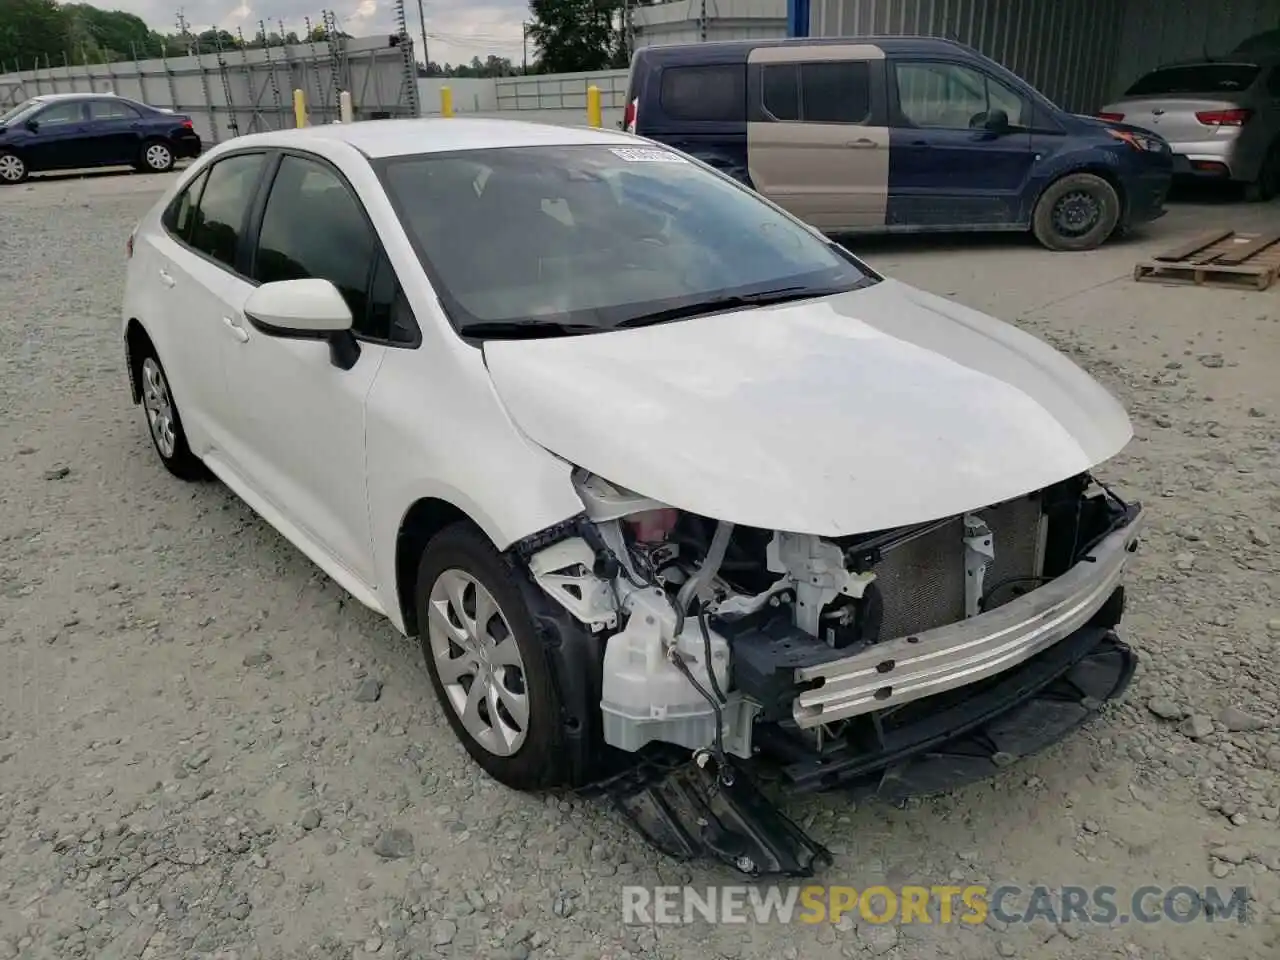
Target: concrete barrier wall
(551, 98)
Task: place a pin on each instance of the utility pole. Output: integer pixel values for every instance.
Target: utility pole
(422, 21)
(524, 45)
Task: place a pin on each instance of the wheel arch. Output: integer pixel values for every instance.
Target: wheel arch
(136, 344)
(425, 518)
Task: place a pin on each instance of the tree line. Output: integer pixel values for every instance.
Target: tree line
(562, 36)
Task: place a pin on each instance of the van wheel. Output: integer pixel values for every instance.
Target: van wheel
(1077, 212)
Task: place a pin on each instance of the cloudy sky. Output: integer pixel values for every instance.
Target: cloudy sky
(457, 30)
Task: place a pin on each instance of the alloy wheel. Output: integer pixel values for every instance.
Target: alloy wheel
(478, 662)
(12, 169)
(159, 406)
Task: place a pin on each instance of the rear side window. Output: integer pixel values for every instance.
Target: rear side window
(827, 91)
(220, 216)
(180, 215)
(111, 110)
(1196, 78)
(709, 92)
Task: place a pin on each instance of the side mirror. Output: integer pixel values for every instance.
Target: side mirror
(308, 309)
(997, 121)
(33, 126)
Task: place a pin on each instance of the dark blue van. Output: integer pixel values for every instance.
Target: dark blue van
(893, 134)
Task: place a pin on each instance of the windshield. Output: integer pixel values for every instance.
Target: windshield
(14, 112)
(1197, 78)
(589, 237)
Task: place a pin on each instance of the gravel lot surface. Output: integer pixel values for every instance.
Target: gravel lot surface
(207, 750)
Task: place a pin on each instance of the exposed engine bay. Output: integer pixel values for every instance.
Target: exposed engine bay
(709, 629)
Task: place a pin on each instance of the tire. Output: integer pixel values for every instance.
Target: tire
(164, 423)
(12, 168)
(156, 156)
(523, 749)
(1077, 212)
(1267, 186)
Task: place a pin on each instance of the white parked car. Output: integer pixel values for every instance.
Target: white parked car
(657, 473)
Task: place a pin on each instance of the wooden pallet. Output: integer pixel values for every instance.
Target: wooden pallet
(1220, 258)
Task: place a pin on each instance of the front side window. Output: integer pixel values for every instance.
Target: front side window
(313, 226)
(950, 96)
(824, 91)
(111, 110)
(61, 113)
(709, 92)
(591, 236)
(219, 220)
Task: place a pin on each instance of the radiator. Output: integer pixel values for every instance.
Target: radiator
(922, 581)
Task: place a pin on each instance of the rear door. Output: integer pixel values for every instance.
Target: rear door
(817, 142)
(949, 170)
(112, 135)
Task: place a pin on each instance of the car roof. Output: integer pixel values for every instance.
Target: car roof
(397, 138)
(731, 49)
(50, 97)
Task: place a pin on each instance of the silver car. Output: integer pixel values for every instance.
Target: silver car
(1222, 118)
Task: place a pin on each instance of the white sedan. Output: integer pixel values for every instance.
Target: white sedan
(655, 471)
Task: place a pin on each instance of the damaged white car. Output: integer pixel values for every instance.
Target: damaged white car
(677, 493)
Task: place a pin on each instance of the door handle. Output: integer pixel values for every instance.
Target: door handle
(166, 279)
(919, 143)
(237, 331)
(862, 143)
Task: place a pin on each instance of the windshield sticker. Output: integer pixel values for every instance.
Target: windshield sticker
(645, 155)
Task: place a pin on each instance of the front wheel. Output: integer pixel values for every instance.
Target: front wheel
(12, 167)
(1077, 212)
(157, 156)
(486, 663)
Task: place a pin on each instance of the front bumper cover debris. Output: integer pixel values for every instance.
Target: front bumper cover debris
(685, 812)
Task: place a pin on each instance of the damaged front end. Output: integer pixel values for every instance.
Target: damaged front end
(898, 662)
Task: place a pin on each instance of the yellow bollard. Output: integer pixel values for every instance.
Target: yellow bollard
(446, 102)
(594, 116)
(300, 108)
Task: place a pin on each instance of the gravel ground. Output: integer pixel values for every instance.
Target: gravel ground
(207, 750)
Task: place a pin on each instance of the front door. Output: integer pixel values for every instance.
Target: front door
(817, 144)
(58, 142)
(954, 164)
(297, 417)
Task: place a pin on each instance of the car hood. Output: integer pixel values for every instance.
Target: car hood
(857, 412)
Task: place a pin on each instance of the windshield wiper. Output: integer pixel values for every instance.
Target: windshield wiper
(716, 304)
(525, 329)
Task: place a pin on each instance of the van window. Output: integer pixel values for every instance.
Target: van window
(710, 92)
(826, 91)
(949, 96)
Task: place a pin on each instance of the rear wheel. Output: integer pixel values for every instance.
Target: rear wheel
(486, 661)
(12, 167)
(1077, 212)
(157, 156)
(163, 422)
